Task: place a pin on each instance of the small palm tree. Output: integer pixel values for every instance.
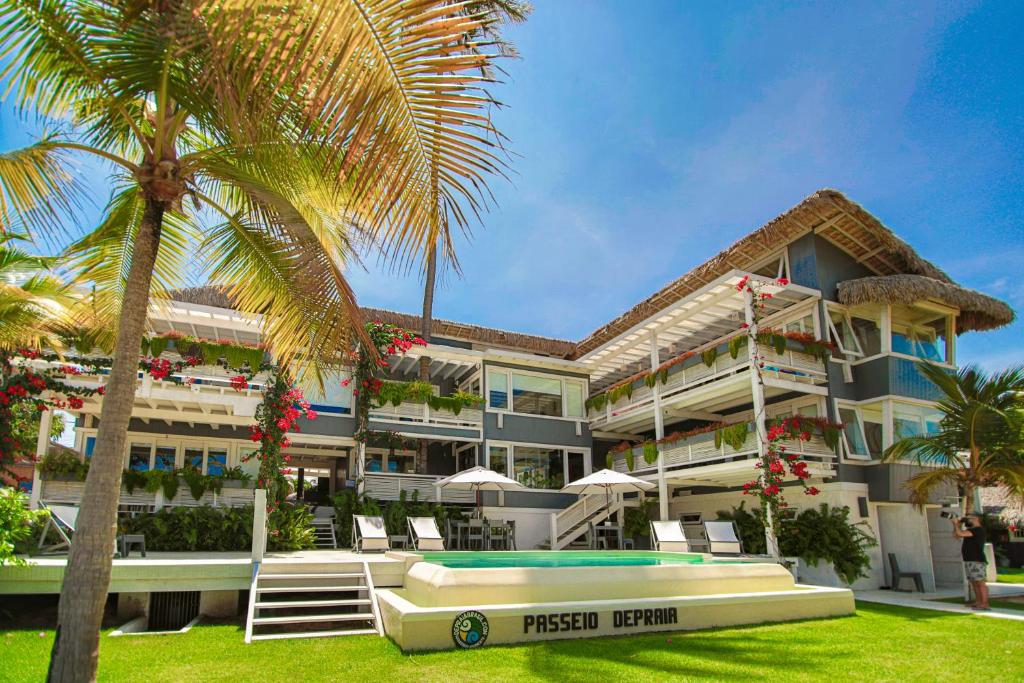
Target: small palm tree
(32, 301)
(981, 440)
(271, 133)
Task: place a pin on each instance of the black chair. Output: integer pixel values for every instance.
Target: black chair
(898, 575)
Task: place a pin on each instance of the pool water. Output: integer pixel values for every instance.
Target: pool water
(562, 558)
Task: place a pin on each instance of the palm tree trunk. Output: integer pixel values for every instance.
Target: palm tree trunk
(426, 328)
(87, 577)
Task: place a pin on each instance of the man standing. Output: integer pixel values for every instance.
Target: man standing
(972, 550)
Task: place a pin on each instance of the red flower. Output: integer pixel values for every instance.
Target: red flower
(346, 382)
(812, 491)
(239, 383)
(75, 402)
(311, 415)
(742, 283)
(101, 391)
(744, 325)
(782, 281)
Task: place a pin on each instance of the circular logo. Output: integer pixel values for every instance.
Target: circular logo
(469, 630)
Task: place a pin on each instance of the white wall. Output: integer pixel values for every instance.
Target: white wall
(904, 532)
(533, 525)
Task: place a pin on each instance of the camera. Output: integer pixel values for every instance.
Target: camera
(948, 514)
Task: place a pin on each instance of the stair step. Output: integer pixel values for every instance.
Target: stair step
(282, 604)
(317, 634)
(344, 575)
(311, 589)
(306, 618)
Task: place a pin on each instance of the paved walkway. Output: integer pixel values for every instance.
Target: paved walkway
(931, 600)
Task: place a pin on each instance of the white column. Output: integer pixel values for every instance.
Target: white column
(360, 467)
(659, 432)
(757, 392)
(42, 444)
(259, 525)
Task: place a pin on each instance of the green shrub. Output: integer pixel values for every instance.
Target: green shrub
(62, 462)
(289, 527)
(816, 534)
(16, 522)
(181, 529)
(395, 513)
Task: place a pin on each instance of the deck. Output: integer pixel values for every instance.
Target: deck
(185, 571)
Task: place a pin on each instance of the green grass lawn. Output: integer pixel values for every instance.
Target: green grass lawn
(1007, 575)
(879, 643)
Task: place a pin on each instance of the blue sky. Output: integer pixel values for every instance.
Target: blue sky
(650, 135)
(653, 134)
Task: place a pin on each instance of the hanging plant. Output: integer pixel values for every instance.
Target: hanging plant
(158, 345)
(597, 402)
(650, 450)
(650, 380)
(609, 460)
(630, 459)
(663, 375)
(709, 356)
(736, 344)
(733, 435)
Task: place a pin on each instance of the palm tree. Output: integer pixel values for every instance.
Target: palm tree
(488, 33)
(32, 302)
(981, 437)
(292, 128)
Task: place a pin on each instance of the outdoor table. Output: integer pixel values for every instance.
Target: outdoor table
(399, 540)
(500, 530)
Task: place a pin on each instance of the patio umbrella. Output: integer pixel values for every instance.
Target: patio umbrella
(479, 479)
(607, 482)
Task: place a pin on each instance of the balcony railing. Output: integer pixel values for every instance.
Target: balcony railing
(700, 449)
(421, 413)
(792, 365)
(389, 486)
(54, 491)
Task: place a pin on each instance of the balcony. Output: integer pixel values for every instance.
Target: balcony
(697, 460)
(694, 385)
(415, 413)
(62, 492)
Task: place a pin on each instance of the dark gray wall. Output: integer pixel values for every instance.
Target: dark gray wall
(526, 429)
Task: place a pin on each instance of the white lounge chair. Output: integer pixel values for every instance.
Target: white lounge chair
(668, 537)
(369, 533)
(722, 538)
(424, 534)
(62, 520)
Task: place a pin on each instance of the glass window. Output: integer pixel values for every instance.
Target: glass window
(90, 446)
(333, 394)
(374, 462)
(497, 459)
(404, 463)
(842, 334)
(804, 324)
(915, 420)
(919, 332)
(216, 461)
(576, 465)
(852, 429)
(538, 468)
(535, 395)
(808, 411)
(573, 399)
(165, 458)
(466, 459)
(869, 333)
(872, 418)
(194, 457)
(497, 390)
(138, 457)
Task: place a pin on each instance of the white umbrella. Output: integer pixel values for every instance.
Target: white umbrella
(479, 479)
(607, 482)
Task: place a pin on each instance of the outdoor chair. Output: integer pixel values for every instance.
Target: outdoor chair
(62, 520)
(722, 538)
(668, 537)
(424, 533)
(597, 541)
(475, 532)
(369, 533)
(132, 541)
(898, 575)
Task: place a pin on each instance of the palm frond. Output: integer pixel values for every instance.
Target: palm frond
(396, 90)
(38, 187)
(925, 482)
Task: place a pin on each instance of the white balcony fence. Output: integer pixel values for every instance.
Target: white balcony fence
(389, 486)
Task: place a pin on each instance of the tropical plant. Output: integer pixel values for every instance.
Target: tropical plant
(62, 462)
(31, 300)
(290, 122)
(16, 524)
(980, 441)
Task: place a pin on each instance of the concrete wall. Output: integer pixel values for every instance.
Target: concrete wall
(904, 531)
(533, 525)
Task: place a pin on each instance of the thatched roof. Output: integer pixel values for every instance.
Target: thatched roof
(977, 311)
(214, 296)
(828, 213)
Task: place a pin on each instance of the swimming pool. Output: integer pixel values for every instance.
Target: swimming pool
(563, 558)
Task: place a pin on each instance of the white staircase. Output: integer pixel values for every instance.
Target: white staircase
(310, 600)
(570, 524)
(323, 530)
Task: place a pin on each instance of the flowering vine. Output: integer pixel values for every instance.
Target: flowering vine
(276, 416)
(370, 364)
(774, 460)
